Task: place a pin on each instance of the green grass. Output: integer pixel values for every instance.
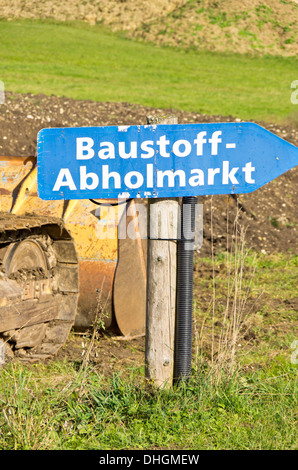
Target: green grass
(257, 412)
(265, 304)
(65, 405)
(83, 62)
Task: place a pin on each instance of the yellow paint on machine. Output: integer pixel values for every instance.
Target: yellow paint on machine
(94, 229)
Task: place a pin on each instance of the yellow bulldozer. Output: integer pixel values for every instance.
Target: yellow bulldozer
(61, 264)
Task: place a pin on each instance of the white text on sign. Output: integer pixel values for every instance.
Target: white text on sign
(181, 148)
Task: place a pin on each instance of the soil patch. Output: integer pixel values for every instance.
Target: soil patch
(254, 26)
(269, 214)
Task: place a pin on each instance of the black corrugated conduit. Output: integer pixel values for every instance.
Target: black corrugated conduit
(184, 291)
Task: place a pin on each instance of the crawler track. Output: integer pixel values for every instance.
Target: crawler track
(38, 285)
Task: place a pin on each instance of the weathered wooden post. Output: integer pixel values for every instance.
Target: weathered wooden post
(161, 284)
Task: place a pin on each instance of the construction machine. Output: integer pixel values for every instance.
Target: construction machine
(62, 264)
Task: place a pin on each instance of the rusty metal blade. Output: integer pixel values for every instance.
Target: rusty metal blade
(130, 277)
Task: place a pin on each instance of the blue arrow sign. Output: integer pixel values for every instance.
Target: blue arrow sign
(159, 160)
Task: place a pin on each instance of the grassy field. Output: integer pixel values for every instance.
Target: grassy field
(252, 405)
(79, 61)
(87, 413)
(243, 390)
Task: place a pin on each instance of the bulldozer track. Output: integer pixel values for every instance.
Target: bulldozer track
(39, 285)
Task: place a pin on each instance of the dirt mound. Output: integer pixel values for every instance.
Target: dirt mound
(255, 27)
(269, 214)
(246, 26)
(120, 15)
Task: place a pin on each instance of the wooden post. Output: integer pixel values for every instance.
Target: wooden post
(161, 285)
